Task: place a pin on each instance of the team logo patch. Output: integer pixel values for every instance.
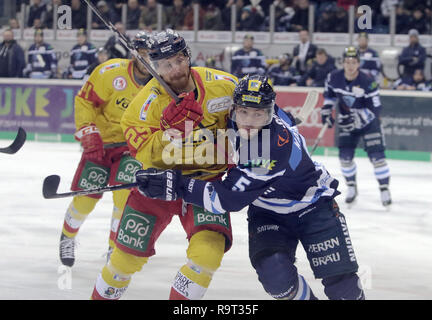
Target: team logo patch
(93, 176)
(109, 67)
(204, 217)
(249, 98)
(127, 168)
(119, 83)
(219, 104)
(146, 106)
(224, 77)
(135, 229)
(254, 85)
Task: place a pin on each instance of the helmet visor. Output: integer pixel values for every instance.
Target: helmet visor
(251, 116)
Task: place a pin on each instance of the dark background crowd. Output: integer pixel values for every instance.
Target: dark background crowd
(290, 15)
(306, 65)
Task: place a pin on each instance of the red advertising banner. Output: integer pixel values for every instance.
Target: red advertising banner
(292, 101)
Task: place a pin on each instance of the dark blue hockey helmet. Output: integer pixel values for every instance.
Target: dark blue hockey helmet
(351, 52)
(254, 91)
(140, 40)
(166, 44)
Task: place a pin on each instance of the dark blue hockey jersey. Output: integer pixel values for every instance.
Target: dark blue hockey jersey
(370, 62)
(82, 56)
(285, 180)
(359, 97)
(252, 62)
(42, 62)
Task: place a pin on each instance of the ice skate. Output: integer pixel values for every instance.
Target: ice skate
(385, 197)
(67, 250)
(351, 194)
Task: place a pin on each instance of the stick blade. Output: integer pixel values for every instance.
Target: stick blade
(17, 143)
(50, 186)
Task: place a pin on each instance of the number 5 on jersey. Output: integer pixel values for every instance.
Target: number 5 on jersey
(241, 184)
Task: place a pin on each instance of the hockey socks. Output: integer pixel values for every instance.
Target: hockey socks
(190, 283)
(110, 284)
(205, 252)
(76, 214)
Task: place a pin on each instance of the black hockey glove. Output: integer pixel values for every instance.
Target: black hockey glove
(159, 184)
(346, 122)
(326, 117)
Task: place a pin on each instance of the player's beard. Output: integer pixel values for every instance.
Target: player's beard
(140, 71)
(180, 81)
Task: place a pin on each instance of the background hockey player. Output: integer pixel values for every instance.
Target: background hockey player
(99, 107)
(357, 98)
(248, 60)
(83, 54)
(369, 59)
(41, 60)
(148, 123)
(290, 198)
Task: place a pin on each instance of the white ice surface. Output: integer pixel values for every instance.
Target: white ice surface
(394, 249)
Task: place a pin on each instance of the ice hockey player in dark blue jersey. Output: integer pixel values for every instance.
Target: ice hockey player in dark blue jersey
(290, 198)
(358, 104)
(248, 60)
(369, 59)
(42, 61)
(83, 54)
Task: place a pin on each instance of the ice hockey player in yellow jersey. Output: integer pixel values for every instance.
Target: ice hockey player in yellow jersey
(151, 122)
(99, 106)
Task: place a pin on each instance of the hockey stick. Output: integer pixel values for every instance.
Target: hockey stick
(318, 139)
(308, 106)
(17, 143)
(51, 184)
(126, 42)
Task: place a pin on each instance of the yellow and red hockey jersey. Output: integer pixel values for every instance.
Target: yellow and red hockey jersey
(105, 96)
(149, 144)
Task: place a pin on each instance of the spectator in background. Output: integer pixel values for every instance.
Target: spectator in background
(226, 13)
(79, 15)
(251, 18)
(416, 81)
(82, 55)
(148, 18)
(175, 15)
(12, 61)
(188, 22)
(133, 15)
(248, 60)
(369, 59)
(413, 57)
(42, 61)
(14, 23)
(102, 55)
(37, 12)
(283, 74)
(402, 20)
(114, 47)
(326, 19)
(212, 18)
(108, 13)
(48, 22)
(418, 21)
(341, 21)
(300, 20)
(304, 52)
(321, 67)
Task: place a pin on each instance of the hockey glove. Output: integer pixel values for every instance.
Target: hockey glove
(175, 116)
(160, 184)
(346, 122)
(326, 117)
(91, 141)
